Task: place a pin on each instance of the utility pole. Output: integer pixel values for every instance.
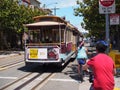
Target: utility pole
(54, 9)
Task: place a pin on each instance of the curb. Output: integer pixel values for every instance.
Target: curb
(11, 54)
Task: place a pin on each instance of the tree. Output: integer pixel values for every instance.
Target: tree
(92, 20)
(12, 18)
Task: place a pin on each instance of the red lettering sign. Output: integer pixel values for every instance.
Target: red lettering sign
(107, 3)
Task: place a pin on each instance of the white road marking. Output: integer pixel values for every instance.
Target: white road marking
(64, 80)
(61, 80)
(8, 77)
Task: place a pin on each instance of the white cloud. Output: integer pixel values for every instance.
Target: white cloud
(67, 3)
(82, 30)
(60, 3)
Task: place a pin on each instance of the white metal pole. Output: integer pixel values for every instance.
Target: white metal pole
(107, 32)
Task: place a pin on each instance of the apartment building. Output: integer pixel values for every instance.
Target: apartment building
(34, 4)
(24, 2)
(31, 3)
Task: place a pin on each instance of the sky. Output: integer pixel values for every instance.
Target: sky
(65, 8)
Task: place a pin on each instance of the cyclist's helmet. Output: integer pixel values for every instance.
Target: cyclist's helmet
(101, 46)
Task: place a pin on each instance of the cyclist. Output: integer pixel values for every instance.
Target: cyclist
(103, 68)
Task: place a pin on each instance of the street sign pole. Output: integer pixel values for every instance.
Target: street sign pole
(107, 31)
(106, 7)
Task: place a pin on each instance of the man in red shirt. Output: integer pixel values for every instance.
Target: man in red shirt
(103, 68)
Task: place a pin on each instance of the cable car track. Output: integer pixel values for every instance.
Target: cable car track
(4, 67)
(23, 82)
(42, 82)
(3, 88)
(10, 61)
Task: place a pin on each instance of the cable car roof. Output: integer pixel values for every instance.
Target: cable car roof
(44, 23)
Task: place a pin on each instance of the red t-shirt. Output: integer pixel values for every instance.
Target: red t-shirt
(103, 67)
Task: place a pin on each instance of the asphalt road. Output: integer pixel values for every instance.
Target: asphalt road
(67, 79)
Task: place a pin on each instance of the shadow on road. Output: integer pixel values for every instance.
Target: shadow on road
(43, 68)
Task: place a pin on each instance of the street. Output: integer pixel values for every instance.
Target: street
(54, 78)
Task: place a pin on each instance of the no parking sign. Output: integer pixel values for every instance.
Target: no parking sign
(114, 19)
(106, 6)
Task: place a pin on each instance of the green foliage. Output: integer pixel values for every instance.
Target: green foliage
(92, 20)
(13, 16)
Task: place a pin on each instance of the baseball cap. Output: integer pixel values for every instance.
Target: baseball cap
(102, 42)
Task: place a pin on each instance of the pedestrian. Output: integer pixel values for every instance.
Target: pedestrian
(81, 59)
(103, 68)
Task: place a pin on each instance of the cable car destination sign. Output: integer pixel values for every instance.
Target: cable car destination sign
(106, 6)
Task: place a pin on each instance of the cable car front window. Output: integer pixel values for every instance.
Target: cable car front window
(46, 35)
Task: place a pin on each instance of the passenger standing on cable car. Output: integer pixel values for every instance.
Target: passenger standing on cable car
(81, 59)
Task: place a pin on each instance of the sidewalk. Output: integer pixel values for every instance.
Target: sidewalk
(86, 85)
(10, 53)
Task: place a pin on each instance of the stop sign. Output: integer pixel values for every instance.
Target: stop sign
(107, 3)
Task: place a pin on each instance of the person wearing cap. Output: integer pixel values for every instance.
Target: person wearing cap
(103, 68)
(81, 59)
